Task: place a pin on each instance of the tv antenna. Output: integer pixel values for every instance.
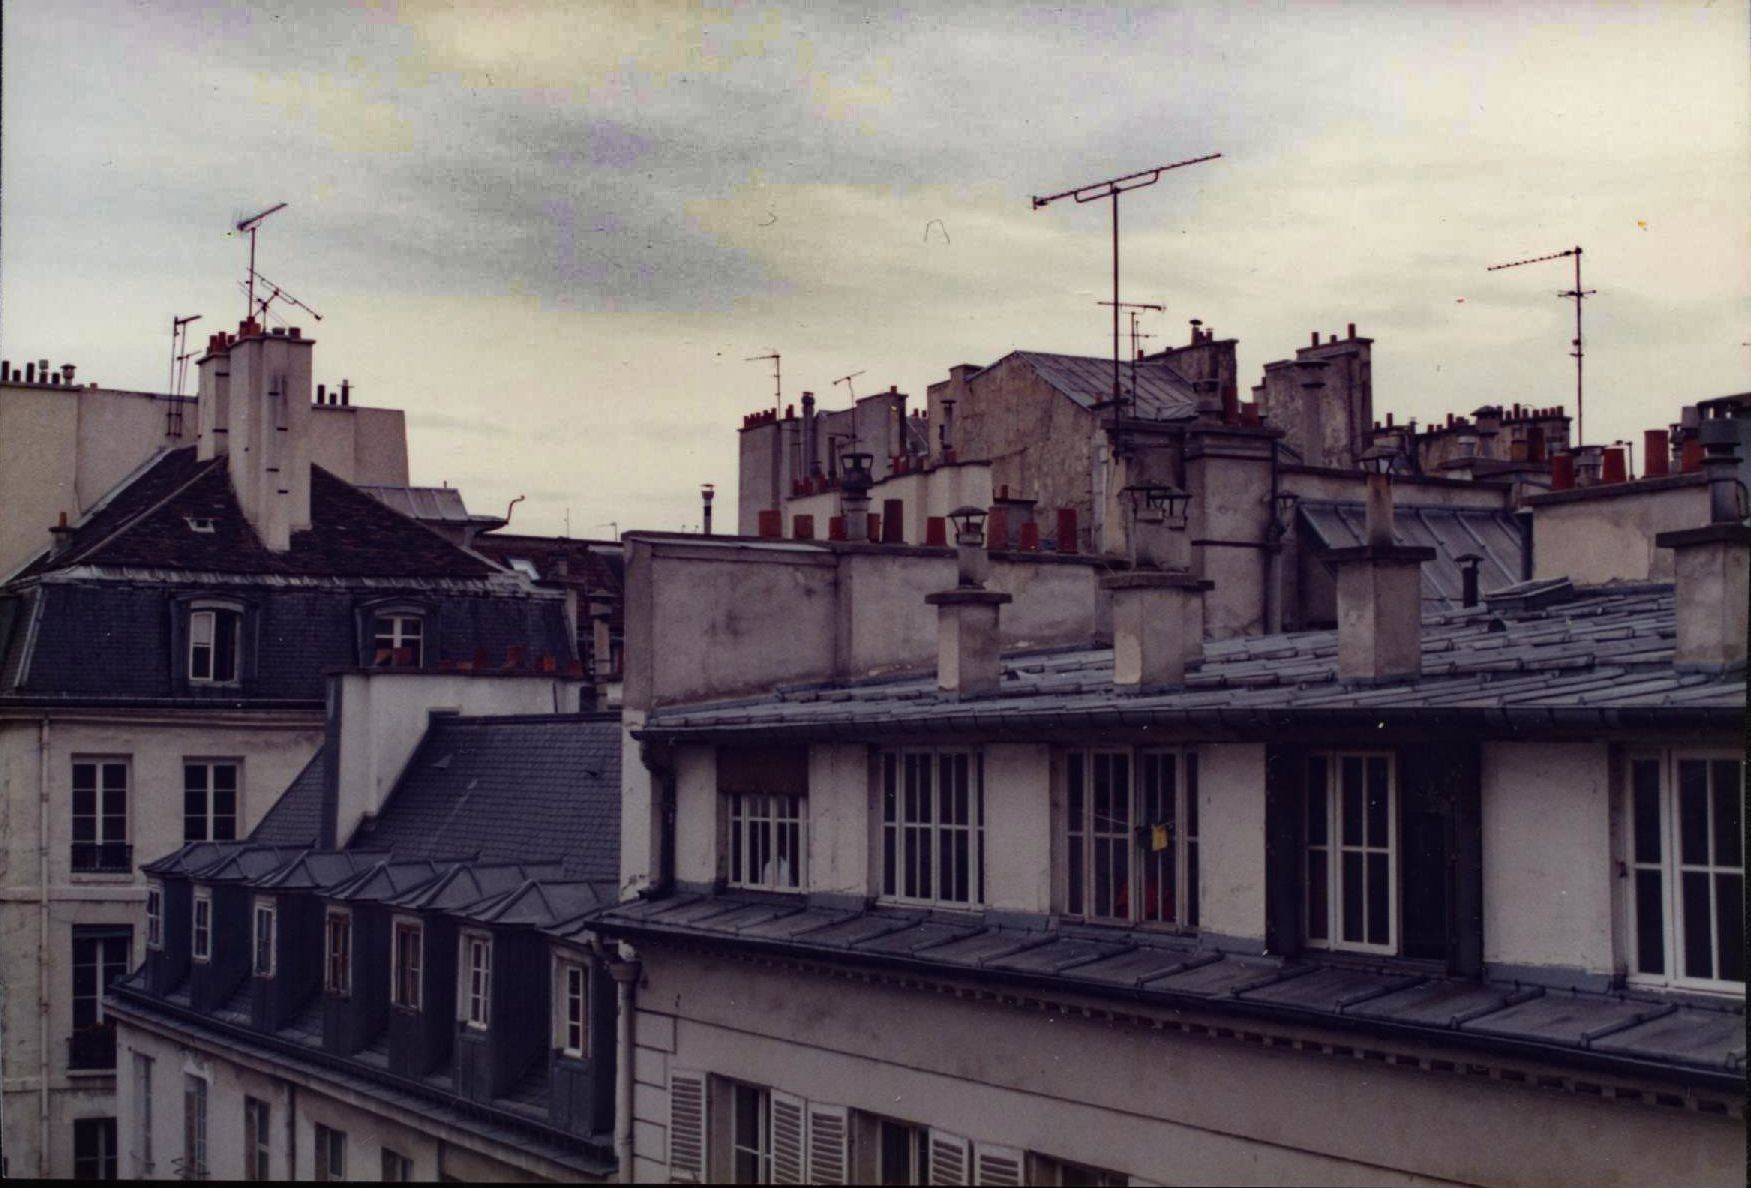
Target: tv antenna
(777, 380)
(1579, 295)
(179, 354)
(275, 293)
(846, 380)
(1112, 188)
(1133, 308)
(250, 224)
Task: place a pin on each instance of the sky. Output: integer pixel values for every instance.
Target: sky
(554, 233)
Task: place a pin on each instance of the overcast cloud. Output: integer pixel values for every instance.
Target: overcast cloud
(552, 233)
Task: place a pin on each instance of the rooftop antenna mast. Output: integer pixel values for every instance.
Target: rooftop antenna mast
(1112, 188)
(277, 294)
(777, 380)
(1134, 308)
(846, 380)
(179, 357)
(1578, 294)
(250, 224)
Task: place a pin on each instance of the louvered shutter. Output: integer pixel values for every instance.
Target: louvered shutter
(787, 1138)
(997, 1165)
(948, 1158)
(828, 1158)
(686, 1126)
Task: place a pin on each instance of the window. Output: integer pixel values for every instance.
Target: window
(142, 1117)
(209, 801)
(100, 815)
(1349, 868)
(1061, 1173)
(100, 956)
(94, 1149)
(397, 1168)
(933, 826)
(331, 1153)
(1685, 835)
(201, 934)
(902, 1152)
(194, 1127)
(338, 953)
(213, 638)
(155, 916)
(405, 985)
(766, 841)
(1131, 836)
(750, 1135)
(264, 938)
(476, 979)
(256, 1130)
(571, 1003)
(397, 639)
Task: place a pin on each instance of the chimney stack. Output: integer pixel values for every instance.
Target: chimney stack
(268, 392)
(1154, 638)
(967, 643)
(1712, 564)
(706, 492)
(854, 485)
(1380, 590)
(60, 537)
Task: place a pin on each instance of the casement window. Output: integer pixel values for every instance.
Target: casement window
(257, 1134)
(398, 639)
(1047, 1172)
(1684, 837)
(201, 930)
(337, 975)
(94, 1149)
(764, 794)
(571, 1001)
(100, 816)
(331, 1153)
(901, 1152)
(209, 800)
(408, 957)
(265, 919)
(933, 826)
(194, 1127)
(154, 915)
(1350, 863)
(1131, 836)
(100, 956)
(142, 1117)
(397, 1168)
(215, 636)
(751, 1134)
(475, 997)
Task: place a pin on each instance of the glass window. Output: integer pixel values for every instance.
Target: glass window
(209, 800)
(100, 815)
(397, 1168)
(201, 933)
(1131, 836)
(477, 974)
(409, 942)
(571, 996)
(902, 1153)
(100, 956)
(264, 938)
(256, 1138)
(933, 826)
(194, 1127)
(94, 1149)
(1686, 863)
(213, 645)
(750, 1135)
(338, 972)
(154, 916)
(766, 840)
(331, 1153)
(1349, 865)
(397, 640)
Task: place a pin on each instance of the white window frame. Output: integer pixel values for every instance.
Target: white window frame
(203, 636)
(571, 1007)
(1335, 849)
(390, 629)
(103, 825)
(201, 925)
(1140, 899)
(1671, 867)
(474, 972)
(265, 921)
(337, 960)
(910, 844)
(759, 1098)
(770, 830)
(155, 915)
(399, 926)
(329, 1154)
(257, 1139)
(209, 795)
(195, 1095)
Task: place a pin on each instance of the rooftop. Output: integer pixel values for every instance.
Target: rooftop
(1162, 394)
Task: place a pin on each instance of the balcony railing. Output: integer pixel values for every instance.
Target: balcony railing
(103, 857)
(92, 1048)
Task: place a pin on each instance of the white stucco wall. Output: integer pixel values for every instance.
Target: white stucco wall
(1610, 536)
(696, 815)
(839, 810)
(1231, 840)
(1018, 827)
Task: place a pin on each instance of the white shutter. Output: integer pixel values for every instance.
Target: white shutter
(828, 1159)
(948, 1158)
(787, 1138)
(997, 1165)
(1139, 1182)
(687, 1126)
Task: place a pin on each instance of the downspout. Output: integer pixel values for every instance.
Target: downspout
(42, 947)
(291, 1131)
(625, 973)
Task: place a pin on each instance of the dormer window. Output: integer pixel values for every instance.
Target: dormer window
(155, 916)
(203, 524)
(476, 993)
(201, 934)
(265, 918)
(338, 976)
(398, 639)
(214, 636)
(570, 1001)
(409, 957)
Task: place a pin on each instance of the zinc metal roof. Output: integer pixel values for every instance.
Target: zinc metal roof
(1162, 394)
(1493, 536)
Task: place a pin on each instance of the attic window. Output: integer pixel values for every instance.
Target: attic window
(200, 523)
(397, 639)
(525, 567)
(213, 637)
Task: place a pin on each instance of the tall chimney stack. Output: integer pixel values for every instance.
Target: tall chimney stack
(1712, 564)
(1154, 637)
(967, 644)
(854, 485)
(269, 438)
(1380, 590)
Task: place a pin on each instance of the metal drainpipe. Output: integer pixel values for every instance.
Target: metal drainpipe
(291, 1131)
(625, 974)
(42, 947)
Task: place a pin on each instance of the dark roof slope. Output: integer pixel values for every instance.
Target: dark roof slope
(295, 819)
(509, 789)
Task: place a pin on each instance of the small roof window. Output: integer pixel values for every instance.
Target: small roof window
(525, 566)
(200, 523)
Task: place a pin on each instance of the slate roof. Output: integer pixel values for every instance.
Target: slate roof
(1697, 1044)
(1452, 532)
(1162, 394)
(1602, 657)
(295, 819)
(509, 789)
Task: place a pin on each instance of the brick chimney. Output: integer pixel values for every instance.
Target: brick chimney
(1380, 591)
(1712, 564)
(967, 643)
(269, 431)
(1153, 633)
(212, 399)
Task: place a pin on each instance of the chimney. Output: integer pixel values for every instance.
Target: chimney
(854, 485)
(1153, 640)
(1468, 563)
(811, 465)
(1380, 595)
(1656, 454)
(706, 491)
(213, 400)
(967, 659)
(60, 537)
(269, 441)
(1712, 564)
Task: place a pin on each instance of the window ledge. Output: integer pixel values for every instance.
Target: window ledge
(112, 877)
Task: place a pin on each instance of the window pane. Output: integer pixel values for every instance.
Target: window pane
(1352, 889)
(1698, 930)
(1378, 803)
(1318, 908)
(1729, 926)
(224, 646)
(1729, 838)
(1191, 914)
(1379, 901)
(1693, 812)
(1316, 806)
(1645, 778)
(1350, 819)
(1191, 795)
